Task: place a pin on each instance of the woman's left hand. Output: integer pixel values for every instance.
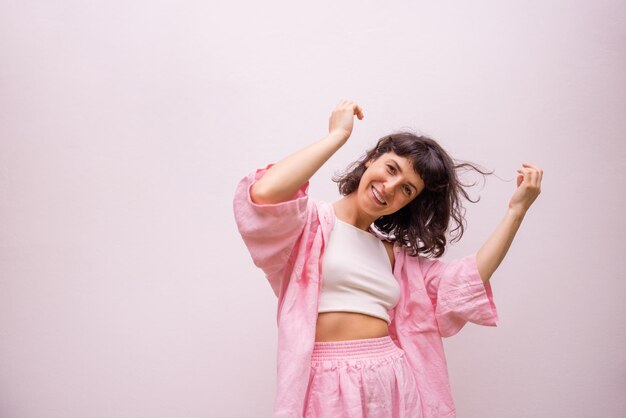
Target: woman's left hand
(528, 188)
(495, 248)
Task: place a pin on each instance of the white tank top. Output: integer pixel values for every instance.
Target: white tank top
(357, 274)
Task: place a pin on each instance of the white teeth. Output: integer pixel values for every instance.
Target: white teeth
(378, 196)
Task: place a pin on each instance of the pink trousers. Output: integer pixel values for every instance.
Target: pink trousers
(367, 378)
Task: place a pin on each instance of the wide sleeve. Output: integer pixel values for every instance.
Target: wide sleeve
(458, 294)
(270, 231)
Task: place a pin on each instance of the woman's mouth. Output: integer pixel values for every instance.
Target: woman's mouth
(378, 197)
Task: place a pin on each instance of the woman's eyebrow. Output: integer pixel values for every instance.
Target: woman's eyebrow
(400, 170)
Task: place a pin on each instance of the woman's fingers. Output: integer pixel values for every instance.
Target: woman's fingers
(358, 111)
(531, 173)
(534, 168)
(349, 104)
(528, 187)
(342, 118)
(531, 166)
(531, 176)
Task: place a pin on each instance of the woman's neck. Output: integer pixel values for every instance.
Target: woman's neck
(347, 210)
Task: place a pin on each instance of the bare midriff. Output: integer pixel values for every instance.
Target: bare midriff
(342, 326)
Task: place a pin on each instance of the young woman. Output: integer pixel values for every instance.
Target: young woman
(363, 301)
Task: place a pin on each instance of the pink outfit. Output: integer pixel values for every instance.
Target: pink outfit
(367, 378)
(286, 240)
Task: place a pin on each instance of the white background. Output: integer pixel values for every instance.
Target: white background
(125, 290)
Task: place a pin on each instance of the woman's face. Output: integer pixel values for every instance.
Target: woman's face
(388, 184)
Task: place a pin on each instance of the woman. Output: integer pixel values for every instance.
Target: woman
(361, 308)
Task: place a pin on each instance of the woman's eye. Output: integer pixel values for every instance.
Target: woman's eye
(391, 169)
(408, 190)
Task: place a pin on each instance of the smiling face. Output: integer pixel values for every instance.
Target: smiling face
(388, 184)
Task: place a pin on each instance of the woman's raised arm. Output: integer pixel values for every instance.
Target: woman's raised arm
(495, 248)
(284, 178)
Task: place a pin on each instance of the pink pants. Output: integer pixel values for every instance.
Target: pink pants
(367, 378)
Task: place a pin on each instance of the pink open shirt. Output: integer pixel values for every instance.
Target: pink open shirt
(286, 240)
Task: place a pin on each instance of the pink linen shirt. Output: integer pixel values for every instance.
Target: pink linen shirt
(286, 240)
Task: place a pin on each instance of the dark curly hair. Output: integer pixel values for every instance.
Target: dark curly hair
(422, 224)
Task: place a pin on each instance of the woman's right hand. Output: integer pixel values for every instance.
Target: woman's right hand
(341, 120)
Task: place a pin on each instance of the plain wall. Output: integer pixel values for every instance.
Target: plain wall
(125, 289)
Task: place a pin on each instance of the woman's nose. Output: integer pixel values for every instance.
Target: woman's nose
(391, 184)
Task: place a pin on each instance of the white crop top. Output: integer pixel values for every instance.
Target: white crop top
(357, 274)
